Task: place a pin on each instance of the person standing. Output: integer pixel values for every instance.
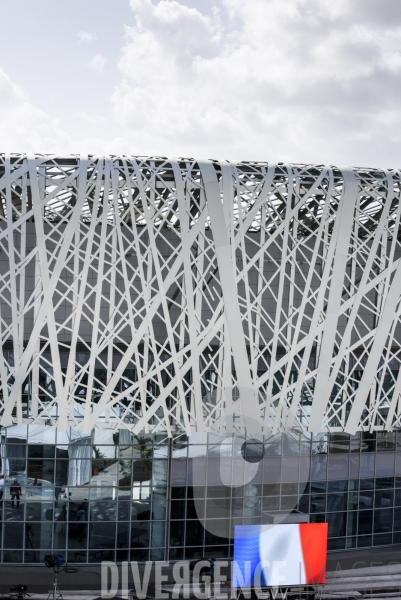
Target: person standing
(1, 486)
(15, 491)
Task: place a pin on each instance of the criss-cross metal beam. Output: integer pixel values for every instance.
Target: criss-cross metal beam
(155, 294)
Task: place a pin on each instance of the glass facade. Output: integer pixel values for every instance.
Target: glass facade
(115, 496)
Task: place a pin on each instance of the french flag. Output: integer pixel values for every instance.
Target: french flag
(280, 555)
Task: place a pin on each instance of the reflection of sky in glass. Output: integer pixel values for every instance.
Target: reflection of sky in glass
(125, 482)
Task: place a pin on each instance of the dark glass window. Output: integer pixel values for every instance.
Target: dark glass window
(77, 537)
(217, 552)
(383, 498)
(124, 510)
(353, 501)
(289, 488)
(339, 443)
(39, 510)
(179, 492)
(140, 534)
(158, 510)
(102, 535)
(176, 553)
(139, 554)
(194, 533)
(384, 482)
(383, 520)
(337, 486)
(317, 503)
(337, 524)
(318, 518)
(365, 519)
(366, 484)
(61, 475)
(303, 504)
(103, 510)
(368, 442)
(40, 473)
(365, 499)
(218, 491)
(382, 539)
(38, 535)
(364, 541)
(196, 491)
(102, 554)
(355, 442)
(289, 502)
(177, 509)
(195, 509)
(397, 519)
(12, 556)
(336, 502)
(270, 489)
(123, 531)
(318, 487)
(158, 534)
(60, 535)
(193, 553)
(352, 520)
(40, 451)
(218, 508)
(336, 544)
(385, 441)
(271, 503)
(177, 529)
(219, 525)
(13, 535)
(397, 497)
(12, 512)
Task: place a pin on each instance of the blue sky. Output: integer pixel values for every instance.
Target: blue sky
(294, 80)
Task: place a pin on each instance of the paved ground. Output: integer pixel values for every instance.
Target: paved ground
(372, 574)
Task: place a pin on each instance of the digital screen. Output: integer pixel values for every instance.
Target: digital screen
(279, 555)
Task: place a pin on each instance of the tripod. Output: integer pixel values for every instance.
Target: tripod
(55, 593)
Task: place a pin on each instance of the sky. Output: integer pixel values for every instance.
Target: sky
(303, 81)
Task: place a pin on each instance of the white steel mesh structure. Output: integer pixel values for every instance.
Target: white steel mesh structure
(156, 294)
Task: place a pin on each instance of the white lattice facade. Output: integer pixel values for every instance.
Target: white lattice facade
(156, 294)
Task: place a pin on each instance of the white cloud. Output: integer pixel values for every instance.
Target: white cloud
(94, 119)
(25, 128)
(10, 93)
(86, 36)
(102, 146)
(301, 80)
(98, 62)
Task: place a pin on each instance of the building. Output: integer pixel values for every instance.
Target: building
(188, 345)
